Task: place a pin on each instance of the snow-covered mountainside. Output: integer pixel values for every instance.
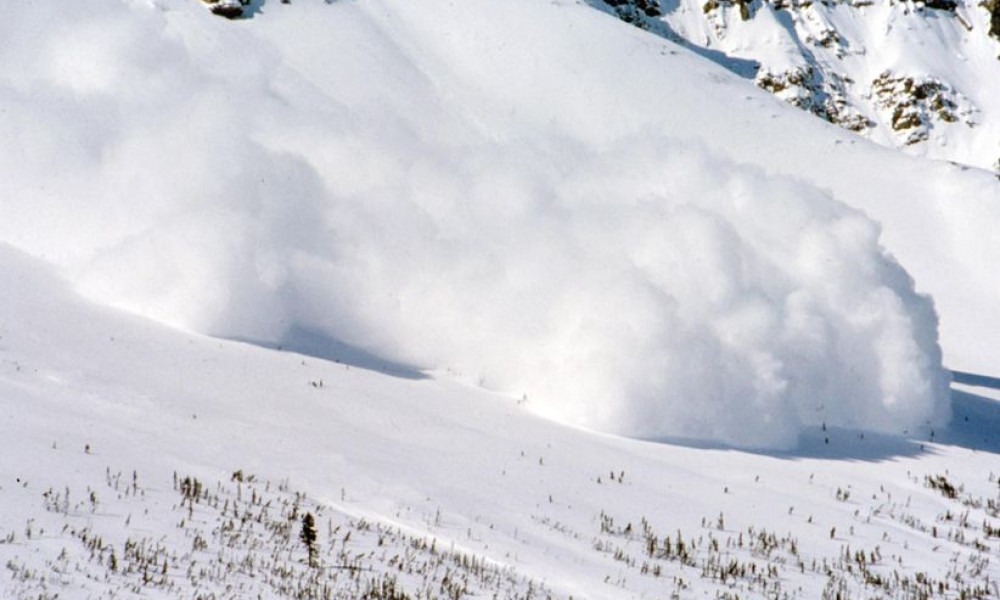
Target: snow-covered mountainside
(920, 76)
(596, 231)
(344, 259)
(140, 461)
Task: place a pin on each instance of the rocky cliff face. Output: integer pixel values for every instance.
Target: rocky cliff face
(923, 76)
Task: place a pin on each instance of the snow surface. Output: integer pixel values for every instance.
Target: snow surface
(850, 44)
(103, 413)
(530, 196)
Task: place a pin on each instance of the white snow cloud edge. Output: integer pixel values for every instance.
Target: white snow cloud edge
(647, 287)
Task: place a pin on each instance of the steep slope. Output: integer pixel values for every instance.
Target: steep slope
(367, 171)
(525, 196)
(142, 460)
(919, 76)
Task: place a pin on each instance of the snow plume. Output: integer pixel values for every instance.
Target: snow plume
(649, 289)
(644, 286)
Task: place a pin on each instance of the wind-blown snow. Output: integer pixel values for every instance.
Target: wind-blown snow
(617, 276)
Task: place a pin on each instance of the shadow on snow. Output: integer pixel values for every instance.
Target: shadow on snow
(975, 425)
(983, 381)
(255, 7)
(832, 443)
(319, 345)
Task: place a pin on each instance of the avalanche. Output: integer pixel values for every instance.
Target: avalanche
(424, 187)
(331, 260)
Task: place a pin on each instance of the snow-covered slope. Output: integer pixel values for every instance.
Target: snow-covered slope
(920, 76)
(142, 460)
(533, 196)
(382, 210)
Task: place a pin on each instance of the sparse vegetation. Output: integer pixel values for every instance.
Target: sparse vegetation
(238, 539)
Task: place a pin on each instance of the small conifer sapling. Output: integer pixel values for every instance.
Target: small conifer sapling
(308, 537)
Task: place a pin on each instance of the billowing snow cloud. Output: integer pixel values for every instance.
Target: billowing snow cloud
(644, 286)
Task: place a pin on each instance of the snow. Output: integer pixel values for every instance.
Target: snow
(94, 398)
(625, 270)
(856, 42)
(411, 229)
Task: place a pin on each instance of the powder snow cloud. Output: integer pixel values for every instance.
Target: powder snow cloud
(641, 284)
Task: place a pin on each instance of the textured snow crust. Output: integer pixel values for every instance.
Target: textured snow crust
(343, 171)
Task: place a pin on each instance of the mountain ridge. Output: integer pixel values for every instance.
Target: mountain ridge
(911, 75)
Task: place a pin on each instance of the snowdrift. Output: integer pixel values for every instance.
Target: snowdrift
(504, 190)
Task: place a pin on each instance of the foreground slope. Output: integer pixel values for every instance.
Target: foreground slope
(348, 180)
(138, 458)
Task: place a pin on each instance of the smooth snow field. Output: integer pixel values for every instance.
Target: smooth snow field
(522, 300)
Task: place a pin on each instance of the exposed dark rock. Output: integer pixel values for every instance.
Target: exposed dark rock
(914, 104)
(948, 5)
(627, 10)
(805, 88)
(230, 9)
(993, 7)
(744, 6)
(909, 107)
(828, 38)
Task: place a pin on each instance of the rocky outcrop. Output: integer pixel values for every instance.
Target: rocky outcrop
(826, 98)
(993, 7)
(948, 5)
(743, 5)
(635, 11)
(913, 105)
(231, 9)
(819, 55)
